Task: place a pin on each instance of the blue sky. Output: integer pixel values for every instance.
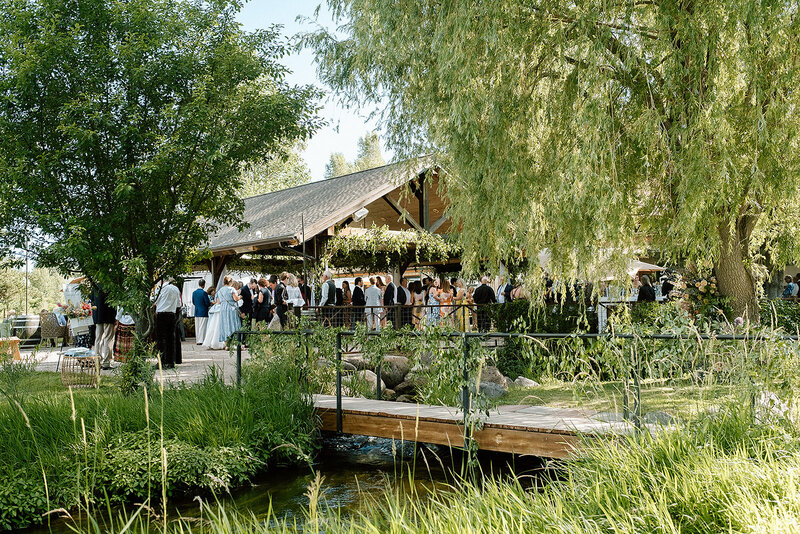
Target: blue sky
(345, 126)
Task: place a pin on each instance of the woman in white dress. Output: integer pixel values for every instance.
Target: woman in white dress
(212, 330)
(294, 297)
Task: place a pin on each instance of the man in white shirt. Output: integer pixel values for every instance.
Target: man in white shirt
(168, 302)
(373, 297)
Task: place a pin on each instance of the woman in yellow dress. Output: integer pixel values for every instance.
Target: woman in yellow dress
(461, 314)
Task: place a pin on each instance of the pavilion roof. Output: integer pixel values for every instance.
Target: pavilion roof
(275, 217)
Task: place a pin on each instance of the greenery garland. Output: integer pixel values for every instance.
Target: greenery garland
(379, 248)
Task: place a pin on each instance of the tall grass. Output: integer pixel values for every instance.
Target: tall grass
(722, 474)
(93, 445)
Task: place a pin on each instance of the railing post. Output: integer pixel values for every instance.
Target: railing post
(378, 381)
(240, 337)
(339, 382)
(465, 388)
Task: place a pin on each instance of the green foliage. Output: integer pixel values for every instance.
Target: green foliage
(611, 126)
(783, 314)
(279, 172)
(379, 248)
(137, 373)
(369, 156)
(102, 444)
(131, 156)
(44, 289)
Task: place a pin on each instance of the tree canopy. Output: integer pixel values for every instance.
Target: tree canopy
(124, 126)
(592, 128)
(274, 174)
(369, 156)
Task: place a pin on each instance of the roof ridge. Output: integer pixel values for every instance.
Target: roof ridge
(337, 177)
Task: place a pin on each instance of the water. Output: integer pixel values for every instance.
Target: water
(355, 470)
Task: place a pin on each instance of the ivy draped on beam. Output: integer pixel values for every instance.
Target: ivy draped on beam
(379, 248)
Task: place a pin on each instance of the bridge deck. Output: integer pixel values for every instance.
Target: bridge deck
(535, 430)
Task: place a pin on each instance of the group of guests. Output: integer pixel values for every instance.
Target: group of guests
(276, 301)
(424, 303)
(790, 290)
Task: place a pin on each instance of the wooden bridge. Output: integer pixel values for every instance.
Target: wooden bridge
(532, 430)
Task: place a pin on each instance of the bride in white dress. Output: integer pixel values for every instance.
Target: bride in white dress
(212, 331)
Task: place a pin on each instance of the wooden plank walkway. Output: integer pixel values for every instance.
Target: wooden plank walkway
(533, 430)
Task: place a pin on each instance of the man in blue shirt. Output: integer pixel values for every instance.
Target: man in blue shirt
(201, 303)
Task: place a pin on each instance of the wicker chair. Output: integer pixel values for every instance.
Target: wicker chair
(51, 330)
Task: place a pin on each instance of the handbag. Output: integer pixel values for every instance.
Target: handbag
(275, 323)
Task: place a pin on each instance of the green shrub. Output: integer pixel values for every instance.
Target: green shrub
(781, 313)
(137, 373)
(22, 497)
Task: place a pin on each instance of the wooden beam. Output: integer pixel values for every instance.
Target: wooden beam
(436, 225)
(402, 212)
(424, 205)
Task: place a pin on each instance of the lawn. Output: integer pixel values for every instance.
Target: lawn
(680, 398)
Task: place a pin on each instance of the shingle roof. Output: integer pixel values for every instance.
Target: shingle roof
(276, 217)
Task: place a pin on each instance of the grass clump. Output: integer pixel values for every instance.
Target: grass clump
(65, 449)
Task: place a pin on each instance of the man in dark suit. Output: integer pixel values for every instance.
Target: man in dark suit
(202, 303)
(247, 303)
(483, 296)
(280, 294)
(389, 299)
(359, 301)
(305, 290)
(403, 298)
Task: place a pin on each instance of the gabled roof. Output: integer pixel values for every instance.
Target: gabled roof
(276, 217)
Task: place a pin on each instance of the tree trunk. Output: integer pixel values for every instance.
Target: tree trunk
(735, 278)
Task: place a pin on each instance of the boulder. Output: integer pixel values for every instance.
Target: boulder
(323, 363)
(406, 388)
(389, 394)
(394, 370)
(358, 362)
(405, 398)
(492, 390)
(522, 382)
(493, 375)
(355, 383)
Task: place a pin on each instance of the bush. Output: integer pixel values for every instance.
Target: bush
(781, 313)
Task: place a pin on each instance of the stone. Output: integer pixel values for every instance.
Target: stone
(492, 390)
(323, 363)
(389, 394)
(361, 383)
(522, 382)
(394, 370)
(493, 375)
(405, 398)
(358, 362)
(406, 388)
(658, 418)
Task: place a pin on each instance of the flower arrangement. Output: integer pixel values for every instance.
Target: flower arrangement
(705, 299)
(83, 310)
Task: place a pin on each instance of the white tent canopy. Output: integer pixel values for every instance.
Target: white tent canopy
(634, 267)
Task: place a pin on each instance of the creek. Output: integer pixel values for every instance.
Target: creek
(355, 470)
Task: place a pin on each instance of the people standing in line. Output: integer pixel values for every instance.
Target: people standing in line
(347, 302)
(358, 301)
(418, 304)
(405, 302)
(328, 297)
(373, 301)
(229, 320)
(433, 312)
(246, 309)
(105, 318)
(168, 302)
(646, 292)
(264, 299)
(462, 306)
(305, 290)
(482, 297)
(201, 302)
(294, 299)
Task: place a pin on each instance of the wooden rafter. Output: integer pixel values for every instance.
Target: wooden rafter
(402, 212)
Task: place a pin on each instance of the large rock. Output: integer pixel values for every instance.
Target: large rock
(357, 382)
(394, 370)
(522, 382)
(406, 388)
(492, 390)
(493, 375)
(358, 362)
(323, 363)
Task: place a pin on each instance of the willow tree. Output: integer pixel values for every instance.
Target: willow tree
(585, 127)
